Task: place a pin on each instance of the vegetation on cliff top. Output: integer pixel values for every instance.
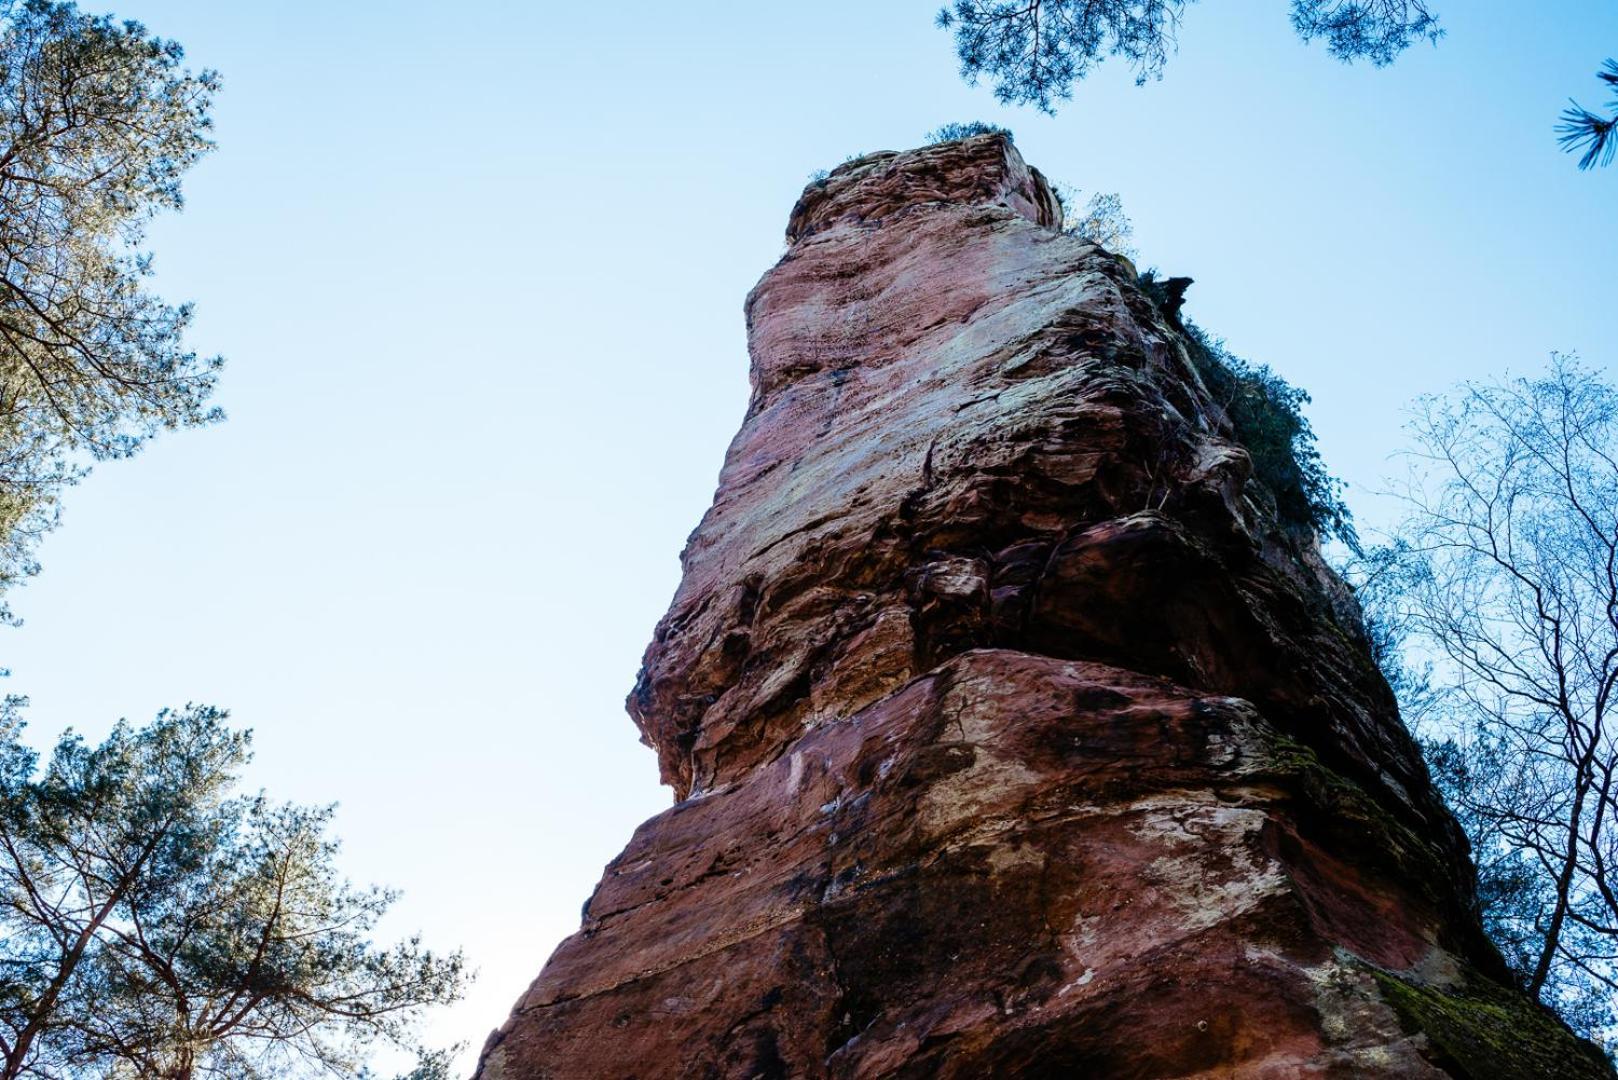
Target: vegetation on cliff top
(966, 130)
(1266, 413)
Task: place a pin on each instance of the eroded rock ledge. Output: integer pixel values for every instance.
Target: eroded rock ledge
(1013, 735)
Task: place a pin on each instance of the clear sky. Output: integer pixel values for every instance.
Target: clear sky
(478, 274)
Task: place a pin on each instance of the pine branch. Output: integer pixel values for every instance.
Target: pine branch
(1581, 129)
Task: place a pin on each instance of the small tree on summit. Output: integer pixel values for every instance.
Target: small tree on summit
(967, 130)
(1101, 220)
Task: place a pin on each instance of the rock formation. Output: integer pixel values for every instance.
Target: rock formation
(1014, 733)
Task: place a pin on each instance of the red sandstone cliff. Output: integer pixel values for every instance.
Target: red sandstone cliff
(1013, 735)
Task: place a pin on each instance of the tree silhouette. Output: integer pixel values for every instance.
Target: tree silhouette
(1035, 50)
(1596, 135)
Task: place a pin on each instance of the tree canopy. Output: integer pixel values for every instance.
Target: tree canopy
(1596, 135)
(155, 922)
(1374, 30)
(99, 122)
(1035, 50)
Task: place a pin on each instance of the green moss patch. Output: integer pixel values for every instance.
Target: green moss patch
(1348, 813)
(1486, 1032)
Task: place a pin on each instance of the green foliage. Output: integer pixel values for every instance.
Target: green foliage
(98, 123)
(1102, 220)
(951, 132)
(155, 923)
(1266, 412)
(1488, 1033)
(1035, 52)
(1596, 135)
(1374, 30)
(1493, 1031)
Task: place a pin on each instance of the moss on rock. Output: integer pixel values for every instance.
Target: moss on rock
(1354, 819)
(1481, 1031)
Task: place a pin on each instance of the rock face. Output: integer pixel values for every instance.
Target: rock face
(1013, 733)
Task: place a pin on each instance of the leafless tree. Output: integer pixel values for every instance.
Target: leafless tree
(1504, 580)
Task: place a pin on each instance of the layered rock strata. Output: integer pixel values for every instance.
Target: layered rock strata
(1013, 733)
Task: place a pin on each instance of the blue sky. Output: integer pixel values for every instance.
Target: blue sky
(479, 274)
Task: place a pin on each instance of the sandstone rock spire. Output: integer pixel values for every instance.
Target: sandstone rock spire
(1013, 733)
